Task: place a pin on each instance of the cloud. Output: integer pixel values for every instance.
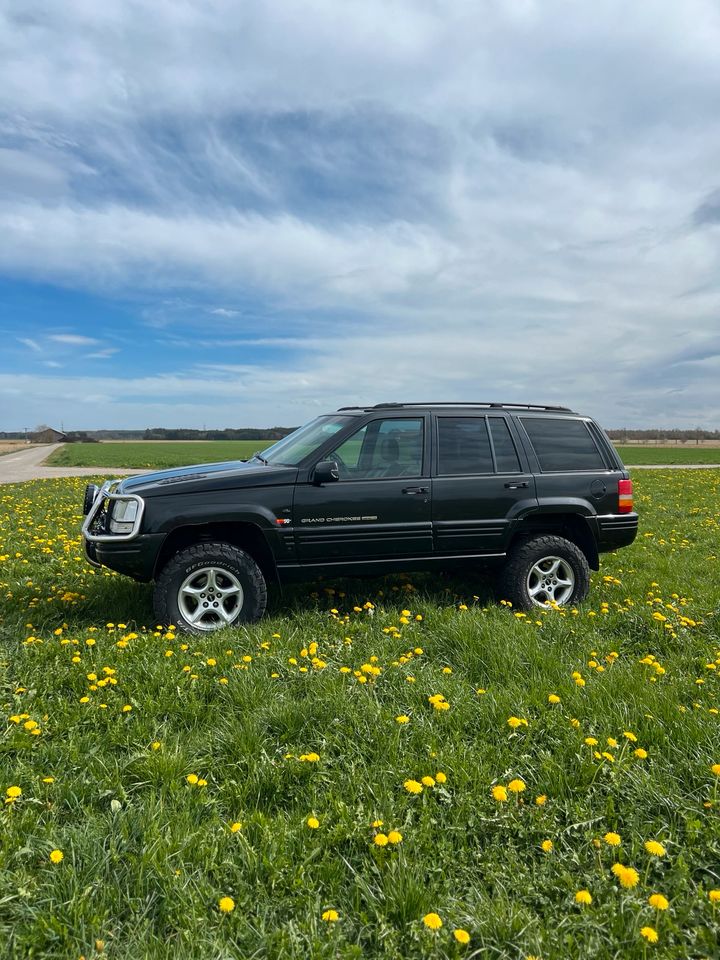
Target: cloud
(511, 199)
(30, 344)
(72, 339)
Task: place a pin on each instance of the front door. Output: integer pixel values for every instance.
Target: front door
(380, 506)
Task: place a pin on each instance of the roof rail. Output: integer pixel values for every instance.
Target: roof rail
(460, 403)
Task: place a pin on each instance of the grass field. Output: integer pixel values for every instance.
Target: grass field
(326, 776)
(146, 454)
(669, 455)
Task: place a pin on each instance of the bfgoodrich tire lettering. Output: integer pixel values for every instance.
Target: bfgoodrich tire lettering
(208, 586)
(552, 560)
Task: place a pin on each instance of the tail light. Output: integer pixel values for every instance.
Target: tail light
(625, 496)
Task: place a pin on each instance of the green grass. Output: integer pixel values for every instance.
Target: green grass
(638, 455)
(147, 856)
(150, 455)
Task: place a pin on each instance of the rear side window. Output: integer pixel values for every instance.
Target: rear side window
(506, 456)
(464, 446)
(562, 444)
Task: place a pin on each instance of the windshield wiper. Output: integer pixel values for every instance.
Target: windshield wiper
(257, 456)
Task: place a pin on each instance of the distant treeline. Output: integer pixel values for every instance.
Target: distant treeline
(658, 435)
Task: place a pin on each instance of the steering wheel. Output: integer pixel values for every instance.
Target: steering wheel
(342, 466)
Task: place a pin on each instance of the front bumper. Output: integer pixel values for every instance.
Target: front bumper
(136, 559)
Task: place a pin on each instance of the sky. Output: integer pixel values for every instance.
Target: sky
(231, 213)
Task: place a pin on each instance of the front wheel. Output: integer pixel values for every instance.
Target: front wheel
(545, 571)
(209, 586)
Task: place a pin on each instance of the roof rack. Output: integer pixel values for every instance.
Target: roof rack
(448, 403)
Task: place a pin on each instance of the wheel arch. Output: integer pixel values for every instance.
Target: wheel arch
(240, 533)
(572, 526)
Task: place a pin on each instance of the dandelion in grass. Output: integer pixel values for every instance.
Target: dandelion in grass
(432, 921)
(394, 837)
(234, 827)
(714, 896)
(403, 718)
(412, 786)
(515, 722)
(516, 786)
(499, 793)
(650, 934)
(640, 753)
(440, 777)
(330, 916)
(547, 845)
(658, 901)
(226, 904)
(57, 856)
(716, 769)
(628, 876)
(313, 823)
(462, 936)
(428, 782)
(380, 840)
(541, 800)
(192, 779)
(654, 848)
(583, 897)
(612, 839)
(553, 698)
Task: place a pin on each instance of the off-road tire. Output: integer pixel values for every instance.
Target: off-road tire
(223, 557)
(513, 580)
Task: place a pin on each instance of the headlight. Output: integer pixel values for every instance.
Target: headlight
(124, 514)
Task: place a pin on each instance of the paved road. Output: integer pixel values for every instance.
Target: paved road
(27, 464)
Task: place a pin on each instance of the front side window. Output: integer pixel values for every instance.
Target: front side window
(563, 444)
(382, 449)
(463, 446)
(291, 450)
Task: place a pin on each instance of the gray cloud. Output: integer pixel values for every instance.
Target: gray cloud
(509, 199)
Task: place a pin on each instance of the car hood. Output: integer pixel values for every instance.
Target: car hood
(207, 476)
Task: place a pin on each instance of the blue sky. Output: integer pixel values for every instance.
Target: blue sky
(244, 213)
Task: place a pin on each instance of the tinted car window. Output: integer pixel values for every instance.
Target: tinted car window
(464, 446)
(563, 444)
(506, 456)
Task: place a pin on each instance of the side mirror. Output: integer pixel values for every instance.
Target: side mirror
(326, 472)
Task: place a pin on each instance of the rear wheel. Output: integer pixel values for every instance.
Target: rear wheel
(545, 571)
(209, 586)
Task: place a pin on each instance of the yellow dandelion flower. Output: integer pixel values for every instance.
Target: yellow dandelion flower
(331, 916)
(428, 782)
(650, 934)
(432, 921)
(613, 839)
(584, 897)
(462, 936)
(380, 840)
(716, 769)
(640, 753)
(547, 845)
(516, 786)
(541, 800)
(192, 779)
(395, 837)
(499, 793)
(658, 901)
(13, 793)
(57, 856)
(234, 827)
(226, 904)
(714, 896)
(403, 718)
(412, 786)
(313, 823)
(654, 848)
(553, 698)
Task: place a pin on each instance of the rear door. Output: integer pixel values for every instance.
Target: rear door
(481, 484)
(380, 506)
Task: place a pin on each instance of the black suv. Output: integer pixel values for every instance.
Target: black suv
(538, 490)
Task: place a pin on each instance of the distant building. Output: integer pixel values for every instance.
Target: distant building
(48, 436)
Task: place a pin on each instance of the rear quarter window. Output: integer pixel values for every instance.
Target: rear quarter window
(563, 444)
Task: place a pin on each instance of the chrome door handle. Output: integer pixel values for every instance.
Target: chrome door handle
(516, 486)
(415, 491)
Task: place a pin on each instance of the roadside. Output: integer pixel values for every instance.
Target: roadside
(28, 464)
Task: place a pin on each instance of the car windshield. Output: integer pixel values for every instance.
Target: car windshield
(291, 450)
